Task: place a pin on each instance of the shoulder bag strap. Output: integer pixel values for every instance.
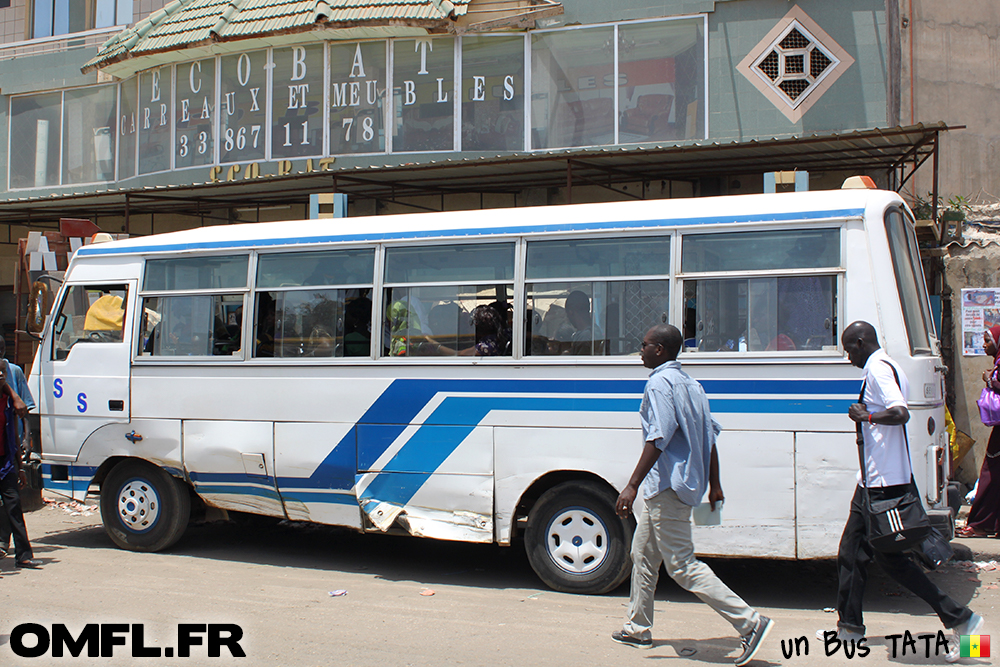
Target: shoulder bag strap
(861, 462)
(906, 438)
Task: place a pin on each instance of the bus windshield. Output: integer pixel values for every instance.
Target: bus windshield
(910, 281)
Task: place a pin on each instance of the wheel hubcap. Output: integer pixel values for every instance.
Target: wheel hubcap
(138, 505)
(577, 541)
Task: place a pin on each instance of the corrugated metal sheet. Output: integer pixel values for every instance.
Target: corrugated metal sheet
(183, 23)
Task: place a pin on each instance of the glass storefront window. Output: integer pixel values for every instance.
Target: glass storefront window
(35, 135)
(127, 125)
(62, 17)
(194, 144)
(89, 136)
(243, 107)
(597, 86)
(423, 95)
(493, 93)
(155, 87)
(297, 102)
(572, 88)
(358, 79)
(661, 80)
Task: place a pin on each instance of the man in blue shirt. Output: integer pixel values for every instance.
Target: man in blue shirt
(678, 462)
(11, 475)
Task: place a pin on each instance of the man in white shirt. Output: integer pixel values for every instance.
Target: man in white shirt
(882, 415)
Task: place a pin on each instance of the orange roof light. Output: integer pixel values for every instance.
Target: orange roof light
(859, 183)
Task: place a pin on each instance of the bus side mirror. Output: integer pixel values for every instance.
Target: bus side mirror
(60, 323)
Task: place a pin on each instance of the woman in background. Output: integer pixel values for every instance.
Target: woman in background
(984, 517)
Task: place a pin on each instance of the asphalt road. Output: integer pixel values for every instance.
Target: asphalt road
(273, 580)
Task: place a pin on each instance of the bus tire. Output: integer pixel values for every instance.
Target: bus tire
(574, 540)
(143, 507)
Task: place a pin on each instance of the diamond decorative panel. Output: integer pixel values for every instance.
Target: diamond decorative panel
(795, 63)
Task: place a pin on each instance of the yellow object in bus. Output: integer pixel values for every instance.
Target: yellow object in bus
(949, 426)
(105, 314)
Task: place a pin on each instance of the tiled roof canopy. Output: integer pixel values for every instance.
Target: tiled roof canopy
(189, 29)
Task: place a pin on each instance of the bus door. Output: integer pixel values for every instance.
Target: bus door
(84, 372)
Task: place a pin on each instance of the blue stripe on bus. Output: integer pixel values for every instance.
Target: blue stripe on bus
(234, 490)
(329, 498)
(429, 447)
(203, 477)
(487, 231)
(400, 403)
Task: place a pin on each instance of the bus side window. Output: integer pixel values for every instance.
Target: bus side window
(191, 326)
(448, 301)
(595, 297)
(314, 304)
(89, 314)
(761, 312)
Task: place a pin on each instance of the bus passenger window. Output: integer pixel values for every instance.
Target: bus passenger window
(464, 321)
(89, 314)
(314, 304)
(594, 297)
(191, 326)
(449, 301)
(760, 314)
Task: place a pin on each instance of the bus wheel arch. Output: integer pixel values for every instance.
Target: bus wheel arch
(143, 507)
(574, 540)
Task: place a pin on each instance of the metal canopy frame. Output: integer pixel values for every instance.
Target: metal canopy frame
(895, 153)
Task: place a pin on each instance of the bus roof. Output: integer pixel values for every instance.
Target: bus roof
(622, 216)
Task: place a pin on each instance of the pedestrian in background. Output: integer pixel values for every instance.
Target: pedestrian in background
(882, 414)
(17, 381)
(678, 462)
(12, 477)
(984, 517)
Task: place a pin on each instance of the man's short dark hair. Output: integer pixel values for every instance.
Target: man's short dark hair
(669, 337)
(863, 330)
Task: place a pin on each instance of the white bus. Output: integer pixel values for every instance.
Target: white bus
(475, 375)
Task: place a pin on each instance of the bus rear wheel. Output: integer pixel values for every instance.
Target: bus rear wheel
(574, 540)
(143, 507)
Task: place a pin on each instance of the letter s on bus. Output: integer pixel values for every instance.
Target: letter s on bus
(81, 400)
(57, 389)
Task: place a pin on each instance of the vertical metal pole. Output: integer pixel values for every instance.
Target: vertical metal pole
(127, 225)
(569, 181)
(934, 192)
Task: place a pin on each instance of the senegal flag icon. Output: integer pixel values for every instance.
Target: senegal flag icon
(975, 646)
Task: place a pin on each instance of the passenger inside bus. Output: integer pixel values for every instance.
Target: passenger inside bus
(266, 315)
(492, 325)
(358, 327)
(576, 336)
(320, 343)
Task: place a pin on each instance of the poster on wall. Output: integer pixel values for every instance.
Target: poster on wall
(980, 311)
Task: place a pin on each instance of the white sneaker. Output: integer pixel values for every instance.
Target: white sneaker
(973, 626)
(842, 634)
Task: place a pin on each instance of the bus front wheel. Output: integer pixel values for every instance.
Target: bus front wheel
(574, 540)
(143, 507)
